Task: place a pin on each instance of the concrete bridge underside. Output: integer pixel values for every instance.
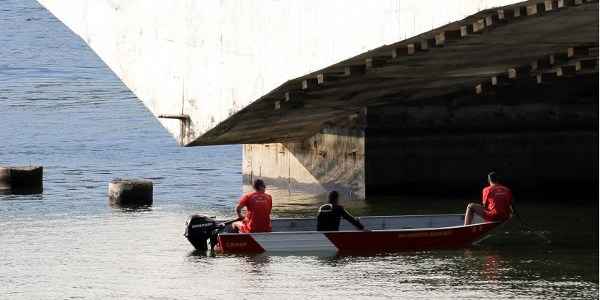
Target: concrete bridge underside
(435, 113)
(512, 89)
(542, 138)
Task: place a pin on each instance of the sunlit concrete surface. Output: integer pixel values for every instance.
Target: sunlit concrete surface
(209, 59)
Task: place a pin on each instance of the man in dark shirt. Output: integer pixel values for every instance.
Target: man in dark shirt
(330, 215)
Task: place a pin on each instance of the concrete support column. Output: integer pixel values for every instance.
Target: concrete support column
(333, 159)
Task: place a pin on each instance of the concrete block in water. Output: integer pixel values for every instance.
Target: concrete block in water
(130, 192)
(21, 180)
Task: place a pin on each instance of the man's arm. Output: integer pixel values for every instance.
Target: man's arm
(484, 196)
(238, 210)
(240, 206)
(348, 217)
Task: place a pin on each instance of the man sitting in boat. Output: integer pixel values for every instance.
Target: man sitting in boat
(330, 215)
(496, 200)
(258, 206)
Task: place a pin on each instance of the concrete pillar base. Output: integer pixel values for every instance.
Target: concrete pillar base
(333, 159)
(130, 192)
(21, 180)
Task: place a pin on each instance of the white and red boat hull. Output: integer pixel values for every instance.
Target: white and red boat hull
(419, 237)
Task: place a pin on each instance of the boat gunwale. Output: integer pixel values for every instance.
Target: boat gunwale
(362, 217)
(362, 231)
(387, 217)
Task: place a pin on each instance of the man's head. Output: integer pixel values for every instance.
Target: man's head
(259, 185)
(493, 178)
(333, 197)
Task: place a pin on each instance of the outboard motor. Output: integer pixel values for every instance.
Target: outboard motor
(200, 230)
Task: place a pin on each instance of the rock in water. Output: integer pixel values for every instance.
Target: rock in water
(130, 192)
(21, 180)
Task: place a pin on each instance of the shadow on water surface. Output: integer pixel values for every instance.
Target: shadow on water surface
(569, 223)
(21, 197)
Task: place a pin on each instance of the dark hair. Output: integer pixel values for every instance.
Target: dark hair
(258, 183)
(493, 177)
(333, 196)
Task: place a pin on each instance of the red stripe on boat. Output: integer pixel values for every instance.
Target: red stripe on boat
(457, 237)
(238, 243)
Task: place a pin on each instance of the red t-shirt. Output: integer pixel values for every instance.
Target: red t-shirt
(258, 215)
(497, 200)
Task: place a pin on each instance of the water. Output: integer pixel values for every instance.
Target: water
(62, 108)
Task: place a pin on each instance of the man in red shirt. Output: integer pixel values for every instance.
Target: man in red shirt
(258, 210)
(496, 200)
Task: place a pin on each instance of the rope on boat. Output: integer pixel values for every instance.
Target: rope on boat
(527, 227)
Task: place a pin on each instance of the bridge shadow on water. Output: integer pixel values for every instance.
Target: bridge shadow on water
(556, 220)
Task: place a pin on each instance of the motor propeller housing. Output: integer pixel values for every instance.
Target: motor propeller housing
(200, 230)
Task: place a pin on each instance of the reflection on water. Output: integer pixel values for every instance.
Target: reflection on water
(481, 273)
(22, 191)
(131, 209)
(492, 267)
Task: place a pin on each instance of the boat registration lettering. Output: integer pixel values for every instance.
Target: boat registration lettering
(424, 234)
(477, 229)
(236, 244)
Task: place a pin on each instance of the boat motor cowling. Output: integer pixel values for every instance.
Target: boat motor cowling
(200, 230)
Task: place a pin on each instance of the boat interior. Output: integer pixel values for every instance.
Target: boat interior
(377, 222)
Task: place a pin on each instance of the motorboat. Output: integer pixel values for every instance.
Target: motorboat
(384, 234)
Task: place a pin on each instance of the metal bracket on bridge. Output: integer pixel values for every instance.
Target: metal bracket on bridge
(184, 118)
(184, 126)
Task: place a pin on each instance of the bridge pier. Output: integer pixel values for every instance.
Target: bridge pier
(543, 140)
(555, 163)
(333, 159)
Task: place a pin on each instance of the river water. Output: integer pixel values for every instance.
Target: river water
(62, 108)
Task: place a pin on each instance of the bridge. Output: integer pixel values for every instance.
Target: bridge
(511, 88)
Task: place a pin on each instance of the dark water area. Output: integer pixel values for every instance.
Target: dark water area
(62, 108)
